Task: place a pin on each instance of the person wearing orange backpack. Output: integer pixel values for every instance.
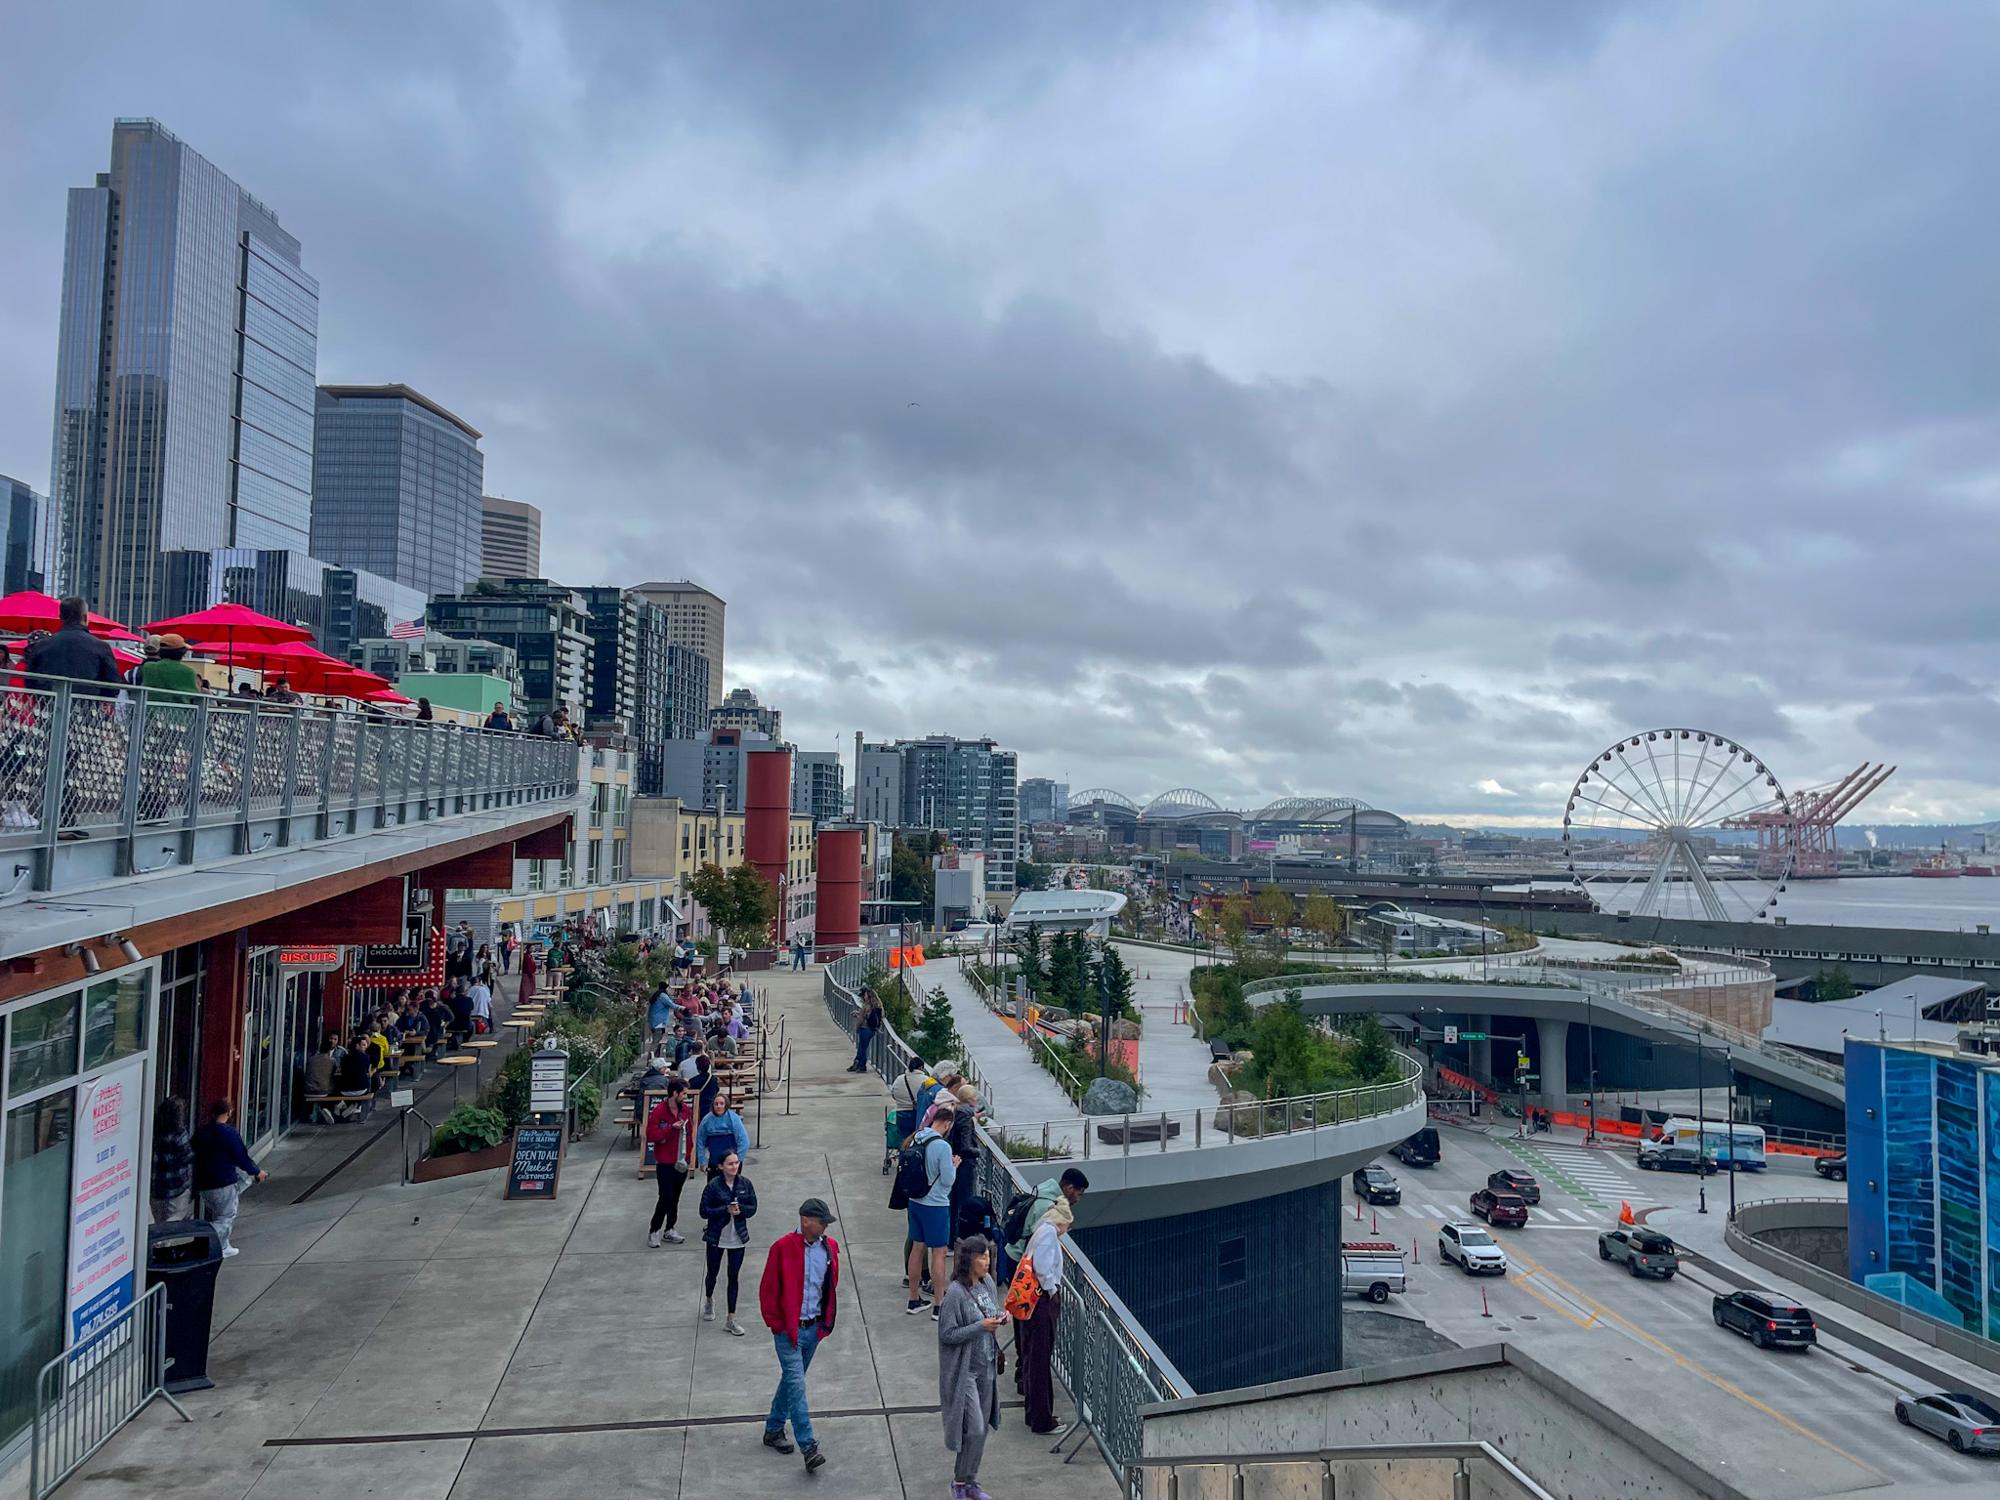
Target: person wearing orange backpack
(670, 1132)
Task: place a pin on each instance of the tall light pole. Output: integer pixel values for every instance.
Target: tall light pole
(1730, 1127)
(1700, 1124)
(1590, 1049)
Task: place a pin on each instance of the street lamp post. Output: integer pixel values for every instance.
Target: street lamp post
(1590, 1049)
(1730, 1126)
(1700, 1124)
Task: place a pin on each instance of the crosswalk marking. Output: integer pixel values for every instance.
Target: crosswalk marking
(1569, 1213)
(1435, 1212)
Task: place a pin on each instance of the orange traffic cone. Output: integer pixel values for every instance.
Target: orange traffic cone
(1625, 1213)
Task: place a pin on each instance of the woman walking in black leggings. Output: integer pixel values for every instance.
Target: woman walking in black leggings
(728, 1204)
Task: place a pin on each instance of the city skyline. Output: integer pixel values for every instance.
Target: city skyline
(1536, 417)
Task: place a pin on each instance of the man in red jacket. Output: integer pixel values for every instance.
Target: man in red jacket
(796, 1294)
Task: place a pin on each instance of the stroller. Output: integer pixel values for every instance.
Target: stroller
(892, 1142)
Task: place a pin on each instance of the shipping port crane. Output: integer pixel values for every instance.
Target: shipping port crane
(1800, 839)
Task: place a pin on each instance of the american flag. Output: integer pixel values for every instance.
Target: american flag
(407, 630)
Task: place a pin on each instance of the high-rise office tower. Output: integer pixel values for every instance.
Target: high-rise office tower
(510, 539)
(184, 374)
(965, 789)
(694, 620)
(25, 515)
(1044, 801)
(396, 487)
(741, 710)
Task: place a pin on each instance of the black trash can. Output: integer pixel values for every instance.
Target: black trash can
(184, 1256)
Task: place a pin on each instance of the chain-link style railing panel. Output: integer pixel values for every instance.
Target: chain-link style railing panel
(270, 755)
(344, 783)
(167, 744)
(308, 770)
(26, 724)
(225, 752)
(94, 763)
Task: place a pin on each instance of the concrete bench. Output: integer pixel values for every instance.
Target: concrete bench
(1117, 1132)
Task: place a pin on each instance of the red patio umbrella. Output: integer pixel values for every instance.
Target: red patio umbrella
(232, 625)
(388, 695)
(30, 609)
(126, 659)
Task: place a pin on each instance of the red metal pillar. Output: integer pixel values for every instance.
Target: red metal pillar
(839, 895)
(224, 981)
(767, 821)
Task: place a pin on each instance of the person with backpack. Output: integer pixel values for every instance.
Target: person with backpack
(670, 1132)
(924, 1175)
(1035, 1336)
(727, 1205)
(1025, 1211)
(903, 1094)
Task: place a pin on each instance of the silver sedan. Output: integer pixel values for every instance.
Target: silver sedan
(1969, 1424)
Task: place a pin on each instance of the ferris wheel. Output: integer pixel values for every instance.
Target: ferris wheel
(1644, 831)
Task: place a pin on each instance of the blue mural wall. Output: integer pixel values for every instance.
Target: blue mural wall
(1867, 1228)
(1234, 1296)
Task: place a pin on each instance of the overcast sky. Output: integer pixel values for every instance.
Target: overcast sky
(1392, 400)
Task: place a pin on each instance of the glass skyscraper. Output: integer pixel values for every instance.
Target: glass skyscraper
(25, 515)
(184, 374)
(396, 487)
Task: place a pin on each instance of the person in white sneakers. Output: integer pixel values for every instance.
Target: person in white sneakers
(670, 1132)
(727, 1205)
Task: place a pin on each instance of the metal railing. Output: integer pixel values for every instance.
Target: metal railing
(1636, 985)
(1080, 1137)
(152, 771)
(90, 1390)
(1105, 1359)
(1449, 1471)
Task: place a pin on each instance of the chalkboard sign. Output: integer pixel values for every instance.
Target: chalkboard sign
(537, 1163)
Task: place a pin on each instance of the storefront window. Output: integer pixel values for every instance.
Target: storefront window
(114, 1019)
(41, 1043)
(34, 1247)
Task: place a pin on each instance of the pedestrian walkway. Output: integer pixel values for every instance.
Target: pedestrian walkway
(1589, 1175)
(1173, 1061)
(1019, 1090)
(439, 1343)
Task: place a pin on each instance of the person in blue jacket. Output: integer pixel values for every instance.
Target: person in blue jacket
(660, 1016)
(221, 1161)
(720, 1132)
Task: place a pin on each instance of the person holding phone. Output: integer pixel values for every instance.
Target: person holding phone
(970, 1360)
(727, 1205)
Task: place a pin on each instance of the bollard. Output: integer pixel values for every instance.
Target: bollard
(1357, 1210)
(1416, 1250)
(1484, 1310)
(1374, 1222)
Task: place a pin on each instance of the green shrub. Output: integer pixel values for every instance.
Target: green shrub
(589, 1101)
(507, 1091)
(468, 1128)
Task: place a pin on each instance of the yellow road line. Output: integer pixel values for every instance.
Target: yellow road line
(1695, 1366)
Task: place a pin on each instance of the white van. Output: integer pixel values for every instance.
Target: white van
(1372, 1269)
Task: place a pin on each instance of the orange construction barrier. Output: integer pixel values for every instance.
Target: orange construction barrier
(914, 957)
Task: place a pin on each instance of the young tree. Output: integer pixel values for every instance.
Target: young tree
(1113, 983)
(740, 902)
(1030, 948)
(1374, 1057)
(937, 1034)
(1834, 984)
(1323, 918)
(1382, 937)
(1274, 905)
(1235, 922)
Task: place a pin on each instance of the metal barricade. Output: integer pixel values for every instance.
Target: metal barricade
(90, 1390)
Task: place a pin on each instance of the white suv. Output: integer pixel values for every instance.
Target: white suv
(1473, 1248)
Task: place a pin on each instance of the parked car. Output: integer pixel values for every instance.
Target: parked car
(1832, 1166)
(1421, 1149)
(1377, 1185)
(1473, 1248)
(1372, 1269)
(1646, 1252)
(1766, 1321)
(1500, 1208)
(1969, 1424)
(1508, 1180)
(1655, 1157)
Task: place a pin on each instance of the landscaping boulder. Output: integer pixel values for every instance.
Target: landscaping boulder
(1247, 1119)
(1108, 1096)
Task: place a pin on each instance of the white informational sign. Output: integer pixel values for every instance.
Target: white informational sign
(548, 1083)
(104, 1198)
(1450, 1035)
(402, 1098)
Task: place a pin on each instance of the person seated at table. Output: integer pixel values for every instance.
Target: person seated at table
(355, 1077)
(378, 1042)
(658, 1072)
(695, 1064)
(459, 1002)
(320, 1070)
(416, 1025)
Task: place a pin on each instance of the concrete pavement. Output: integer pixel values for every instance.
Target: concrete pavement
(439, 1343)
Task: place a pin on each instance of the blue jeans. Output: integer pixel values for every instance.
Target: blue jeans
(863, 1040)
(790, 1401)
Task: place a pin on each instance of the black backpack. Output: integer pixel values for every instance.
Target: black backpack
(1015, 1226)
(913, 1174)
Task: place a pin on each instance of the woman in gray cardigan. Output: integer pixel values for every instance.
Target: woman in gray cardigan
(969, 1357)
